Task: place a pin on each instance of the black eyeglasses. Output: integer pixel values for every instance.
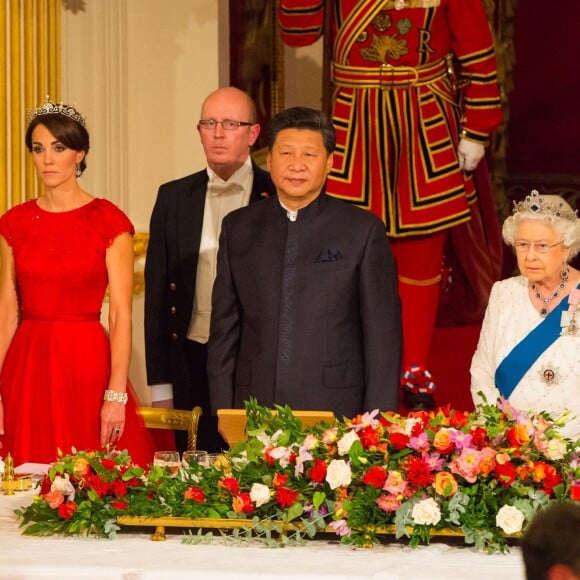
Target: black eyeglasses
(227, 124)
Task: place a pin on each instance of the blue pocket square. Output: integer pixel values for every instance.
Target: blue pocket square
(328, 257)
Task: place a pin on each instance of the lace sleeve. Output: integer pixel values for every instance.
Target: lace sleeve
(112, 222)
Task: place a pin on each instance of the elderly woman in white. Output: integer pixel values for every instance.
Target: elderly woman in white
(529, 347)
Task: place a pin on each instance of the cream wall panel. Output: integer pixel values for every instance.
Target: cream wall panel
(139, 69)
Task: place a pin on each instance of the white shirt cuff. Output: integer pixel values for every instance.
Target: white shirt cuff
(161, 392)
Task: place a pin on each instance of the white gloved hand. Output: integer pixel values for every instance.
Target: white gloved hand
(469, 154)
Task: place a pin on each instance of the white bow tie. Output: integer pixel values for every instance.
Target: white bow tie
(218, 188)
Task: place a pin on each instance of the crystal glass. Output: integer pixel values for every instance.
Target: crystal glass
(189, 457)
(167, 459)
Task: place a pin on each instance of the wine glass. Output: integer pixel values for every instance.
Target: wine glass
(198, 456)
(169, 460)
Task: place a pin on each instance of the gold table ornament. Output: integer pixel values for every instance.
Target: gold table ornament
(231, 524)
(19, 483)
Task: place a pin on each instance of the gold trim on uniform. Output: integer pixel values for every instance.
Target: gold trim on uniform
(414, 282)
(400, 4)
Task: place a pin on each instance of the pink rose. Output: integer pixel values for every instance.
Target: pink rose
(54, 498)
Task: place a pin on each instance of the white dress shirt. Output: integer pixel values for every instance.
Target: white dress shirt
(222, 197)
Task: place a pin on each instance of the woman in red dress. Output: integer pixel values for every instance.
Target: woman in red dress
(63, 383)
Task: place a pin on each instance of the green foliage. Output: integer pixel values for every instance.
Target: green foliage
(482, 474)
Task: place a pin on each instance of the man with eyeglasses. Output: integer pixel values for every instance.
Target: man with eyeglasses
(182, 252)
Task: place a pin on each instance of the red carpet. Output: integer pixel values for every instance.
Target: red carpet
(451, 354)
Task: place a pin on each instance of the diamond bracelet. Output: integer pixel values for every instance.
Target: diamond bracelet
(116, 396)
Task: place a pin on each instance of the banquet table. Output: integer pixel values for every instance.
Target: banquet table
(133, 556)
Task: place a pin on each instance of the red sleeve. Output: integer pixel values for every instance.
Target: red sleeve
(472, 44)
(301, 21)
(111, 222)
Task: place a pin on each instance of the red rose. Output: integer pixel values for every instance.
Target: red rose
(120, 504)
(517, 436)
(118, 487)
(231, 484)
(279, 480)
(575, 491)
(550, 482)
(505, 473)
(67, 509)
(479, 437)
(45, 485)
(195, 493)
(107, 463)
(133, 482)
(375, 476)
(458, 419)
(399, 440)
(95, 482)
(318, 471)
(286, 496)
(368, 437)
(242, 503)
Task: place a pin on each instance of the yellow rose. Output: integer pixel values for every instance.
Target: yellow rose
(445, 484)
(442, 441)
(81, 466)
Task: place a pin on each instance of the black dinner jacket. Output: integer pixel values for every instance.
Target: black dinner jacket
(171, 265)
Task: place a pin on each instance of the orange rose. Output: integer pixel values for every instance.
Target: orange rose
(242, 503)
(487, 463)
(518, 436)
(81, 467)
(442, 441)
(445, 484)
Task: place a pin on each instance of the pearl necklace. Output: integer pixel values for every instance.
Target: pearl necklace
(547, 299)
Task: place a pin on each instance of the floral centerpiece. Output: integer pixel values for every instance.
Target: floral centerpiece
(482, 474)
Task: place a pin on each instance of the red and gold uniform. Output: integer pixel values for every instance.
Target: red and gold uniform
(410, 78)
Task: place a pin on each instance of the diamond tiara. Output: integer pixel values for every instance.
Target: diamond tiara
(49, 108)
(535, 203)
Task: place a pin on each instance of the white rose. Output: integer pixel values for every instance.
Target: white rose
(555, 449)
(510, 519)
(260, 494)
(63, 485)
(338, 473)
(346, 442)
(426, 512)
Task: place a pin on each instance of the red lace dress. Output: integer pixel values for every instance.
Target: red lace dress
(58, 364)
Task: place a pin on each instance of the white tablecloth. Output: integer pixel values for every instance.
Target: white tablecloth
(133, 556)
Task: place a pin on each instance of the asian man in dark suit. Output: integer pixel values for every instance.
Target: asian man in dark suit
(305, 309)
(182, 252)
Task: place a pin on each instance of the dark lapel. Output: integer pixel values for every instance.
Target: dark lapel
(190, 207)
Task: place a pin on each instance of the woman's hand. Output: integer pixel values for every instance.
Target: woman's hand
(112, 422)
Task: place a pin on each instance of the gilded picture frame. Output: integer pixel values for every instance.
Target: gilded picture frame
(257, 60)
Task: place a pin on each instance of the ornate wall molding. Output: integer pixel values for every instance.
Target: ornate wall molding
(94, 70)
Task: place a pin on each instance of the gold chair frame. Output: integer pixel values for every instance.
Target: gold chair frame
(160, 418)
(232, 422)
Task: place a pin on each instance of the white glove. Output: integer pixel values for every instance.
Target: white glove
(469, 154)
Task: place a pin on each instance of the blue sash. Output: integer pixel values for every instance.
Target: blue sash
(524, 354)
